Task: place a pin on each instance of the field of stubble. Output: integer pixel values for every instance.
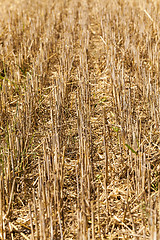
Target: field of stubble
(79, 119)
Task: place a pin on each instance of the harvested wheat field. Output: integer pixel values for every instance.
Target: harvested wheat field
(80, 119)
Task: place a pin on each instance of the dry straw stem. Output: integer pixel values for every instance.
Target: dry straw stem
(79, 119)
